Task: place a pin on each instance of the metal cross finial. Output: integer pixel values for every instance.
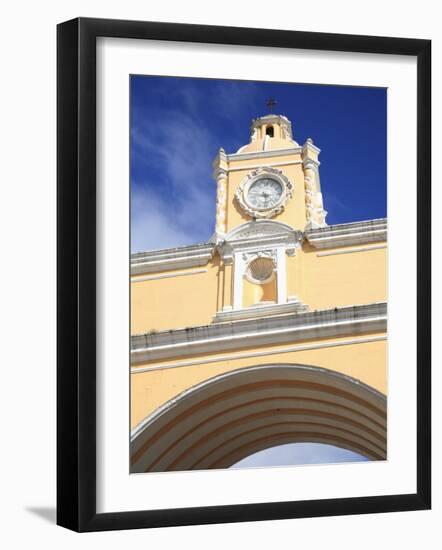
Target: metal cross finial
(270, 104)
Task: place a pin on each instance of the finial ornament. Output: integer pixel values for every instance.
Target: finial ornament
(271, 102)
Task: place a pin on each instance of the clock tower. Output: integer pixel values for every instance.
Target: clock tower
(272, 177)
(268, 194)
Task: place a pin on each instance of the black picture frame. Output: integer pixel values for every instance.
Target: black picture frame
(76, 273)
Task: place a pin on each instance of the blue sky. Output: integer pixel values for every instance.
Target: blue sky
(299, 453)
(178, 125)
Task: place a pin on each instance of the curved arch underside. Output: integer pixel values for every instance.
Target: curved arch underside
(226, 418)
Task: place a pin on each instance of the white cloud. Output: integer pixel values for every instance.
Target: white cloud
(153, 226)
(178, 148)
(180, 206)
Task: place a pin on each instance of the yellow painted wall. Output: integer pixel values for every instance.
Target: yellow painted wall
(325, 281)
(254, 293)
(176, 302)
(364, 361)
(320, 282)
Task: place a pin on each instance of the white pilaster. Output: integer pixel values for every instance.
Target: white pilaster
(220, 165)
(281, 273)
(238, 274)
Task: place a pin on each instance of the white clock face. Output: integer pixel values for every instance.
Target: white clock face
(264, 193)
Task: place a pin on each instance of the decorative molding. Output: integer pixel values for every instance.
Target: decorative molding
(258, 311)
(268, 234)
(255, 166)
(261, 266)
(261, 253)
(252, 238)
(351, 250)
(264, 154)
(172, 258)
(309, 163)
(249, 355)
(241, 194)
(315, 213)
(261, 228)
(341, 321)
(168, 275)
(335, 236)
(281, 274)
(220, 173)
(258, 234)
(239, 266)
(309, 146)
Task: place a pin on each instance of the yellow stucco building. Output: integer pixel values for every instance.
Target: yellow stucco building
(272, 332)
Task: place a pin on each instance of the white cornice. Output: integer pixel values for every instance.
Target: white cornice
(167, 275)
(310, 145)
(341, 321)
(255, 166)
(172, 258)
(334, 236)
(256, 236)
(259, 233)
(260, 228)
(264, 154)
(263, 232)
(261, 353)
(258, 311)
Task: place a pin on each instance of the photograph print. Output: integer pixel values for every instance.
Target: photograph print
(258, 267)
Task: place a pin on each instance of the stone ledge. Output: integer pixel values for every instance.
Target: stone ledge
(294, 327)
(172, 258)
(347, 234)
(259, 311)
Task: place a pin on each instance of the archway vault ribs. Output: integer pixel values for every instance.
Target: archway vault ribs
(228, 417)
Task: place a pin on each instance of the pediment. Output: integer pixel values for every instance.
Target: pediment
(259, 229)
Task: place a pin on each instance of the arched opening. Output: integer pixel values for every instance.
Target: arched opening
(270, 131)
(292, 454)
(224, 419)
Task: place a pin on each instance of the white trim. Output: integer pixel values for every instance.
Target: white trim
(238, 274)
(259, 310)
(259, 234)
(341, 321)
(235, 356)
(334, 236)
(310, 145)
(264, 154)
(248, 272)
(172, 258)
(255, 166)
(135, 279)
(281, 273)
(261, 229)
(275, 233)
(351, 250)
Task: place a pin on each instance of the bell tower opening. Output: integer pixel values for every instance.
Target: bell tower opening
(270, 131)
